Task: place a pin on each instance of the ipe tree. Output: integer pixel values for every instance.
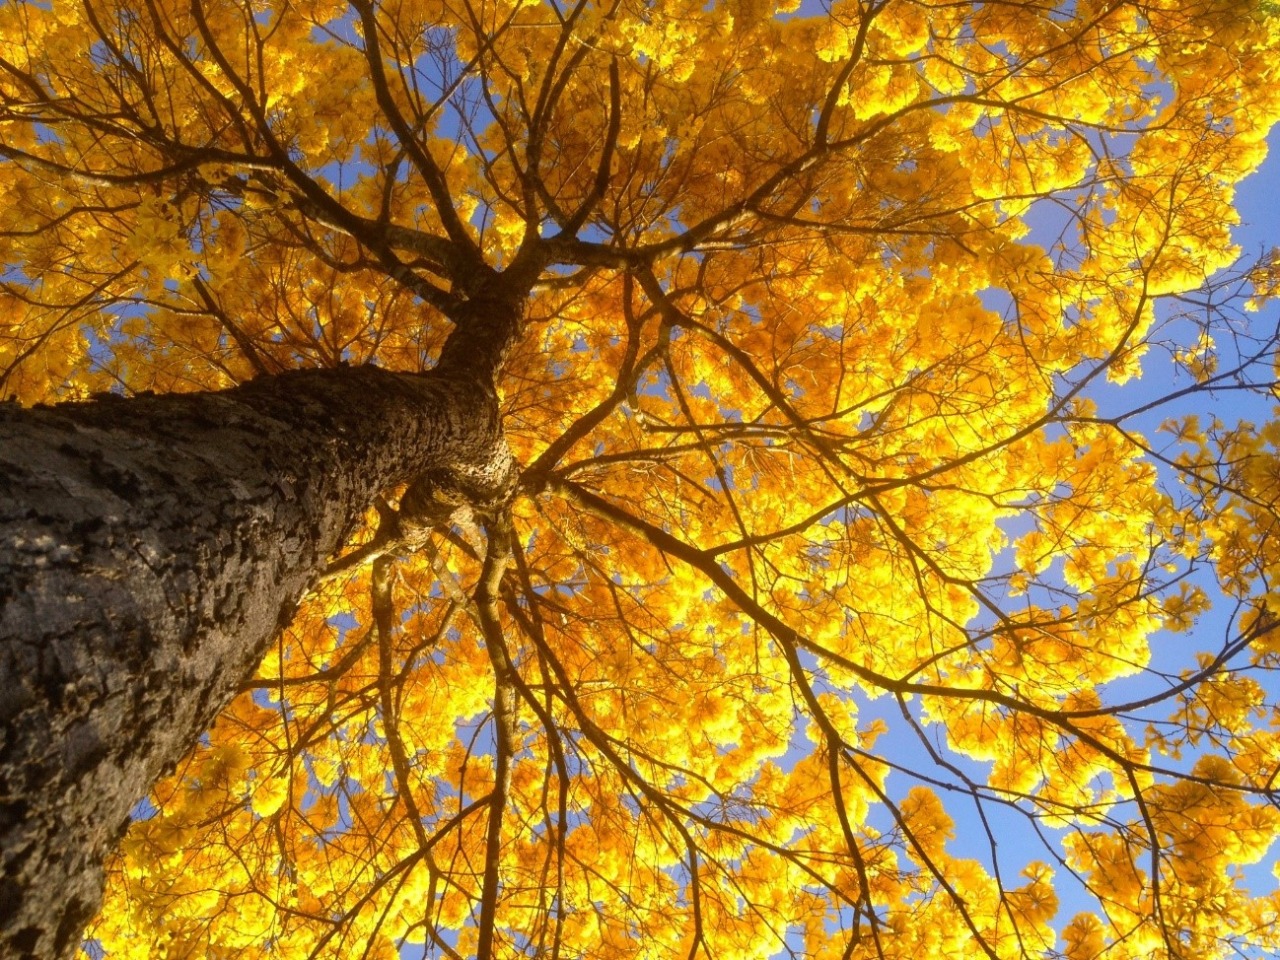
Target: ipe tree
(628, 479)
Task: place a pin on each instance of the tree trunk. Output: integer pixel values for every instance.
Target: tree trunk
(150, 548)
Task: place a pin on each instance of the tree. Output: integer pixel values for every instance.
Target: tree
(752, 483)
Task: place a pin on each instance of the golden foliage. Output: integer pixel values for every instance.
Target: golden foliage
(843, 549)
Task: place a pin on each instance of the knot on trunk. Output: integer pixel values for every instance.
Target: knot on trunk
(455, 497)
(436, 498)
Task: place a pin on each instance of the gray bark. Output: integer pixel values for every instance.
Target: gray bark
(150, 548)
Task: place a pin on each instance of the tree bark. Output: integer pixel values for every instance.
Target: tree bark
(150, 548)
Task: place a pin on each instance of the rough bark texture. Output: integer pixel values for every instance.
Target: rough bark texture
(149, 550)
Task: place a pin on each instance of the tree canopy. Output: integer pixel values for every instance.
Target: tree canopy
(874, 474)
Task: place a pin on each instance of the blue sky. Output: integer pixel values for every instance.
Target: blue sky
(1259, 202)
